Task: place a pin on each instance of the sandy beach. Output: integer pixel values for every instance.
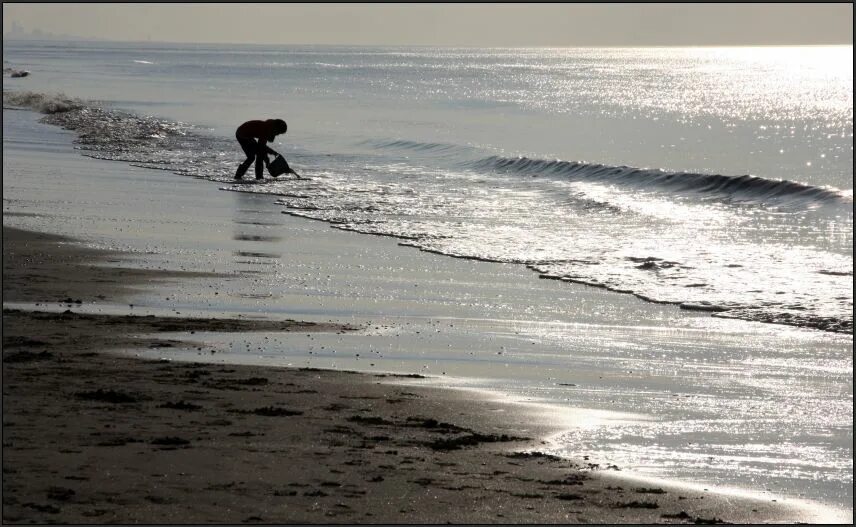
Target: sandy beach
(92, 434)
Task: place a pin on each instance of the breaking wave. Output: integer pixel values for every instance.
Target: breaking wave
(114, 135)
(738, 189)
(356, 197)
(744, 189)
(42, 103)
(402, 144)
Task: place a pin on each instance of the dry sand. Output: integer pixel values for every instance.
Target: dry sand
(91, 436)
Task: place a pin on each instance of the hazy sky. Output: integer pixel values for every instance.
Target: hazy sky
(444, 24)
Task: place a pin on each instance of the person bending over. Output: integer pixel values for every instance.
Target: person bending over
(254, 137)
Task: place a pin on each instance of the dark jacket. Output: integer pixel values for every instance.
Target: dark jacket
(261, 130)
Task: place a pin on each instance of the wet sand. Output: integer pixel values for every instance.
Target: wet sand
(91, 436)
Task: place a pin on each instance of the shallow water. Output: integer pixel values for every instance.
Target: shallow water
(729, 402)
(717, 179)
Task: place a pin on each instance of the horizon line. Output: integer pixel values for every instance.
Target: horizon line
(69, 38)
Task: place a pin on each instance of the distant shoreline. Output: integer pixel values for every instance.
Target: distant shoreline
(400, 46)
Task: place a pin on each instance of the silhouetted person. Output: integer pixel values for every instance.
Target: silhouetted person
(254, 137)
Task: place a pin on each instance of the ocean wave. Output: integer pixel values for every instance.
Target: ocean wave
(111, 134)
(335, 66)
(42, 103)
(365, 204)
(15, 73)
(789, 318)
(738, 189)
(402, 144)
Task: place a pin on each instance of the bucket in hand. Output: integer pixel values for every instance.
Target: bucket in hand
(278, 167)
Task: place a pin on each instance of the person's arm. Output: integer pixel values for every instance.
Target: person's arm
(268, 139)
(265, 150)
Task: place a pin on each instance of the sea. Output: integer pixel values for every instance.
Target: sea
(715, 179)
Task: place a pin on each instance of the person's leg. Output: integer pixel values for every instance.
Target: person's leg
(249, 147)
(261, 157)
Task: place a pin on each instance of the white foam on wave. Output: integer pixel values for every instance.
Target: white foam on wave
(569, 232)
(42, 103)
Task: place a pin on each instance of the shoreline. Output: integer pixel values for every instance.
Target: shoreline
(796, 317)
(147, 270)
(89, 435)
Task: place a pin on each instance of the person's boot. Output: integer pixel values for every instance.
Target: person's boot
(242, 169)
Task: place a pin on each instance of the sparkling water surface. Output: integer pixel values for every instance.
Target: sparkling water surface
(717, 179)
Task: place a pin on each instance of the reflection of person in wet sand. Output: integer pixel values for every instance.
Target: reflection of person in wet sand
(254, 137)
